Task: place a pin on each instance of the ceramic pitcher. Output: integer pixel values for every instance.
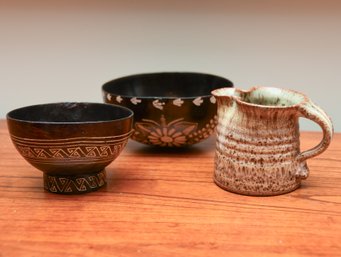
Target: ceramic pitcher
(258, 144)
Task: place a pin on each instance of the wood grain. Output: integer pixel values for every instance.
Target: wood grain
(164, 203)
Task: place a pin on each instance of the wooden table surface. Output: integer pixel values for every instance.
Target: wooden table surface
(164, 203)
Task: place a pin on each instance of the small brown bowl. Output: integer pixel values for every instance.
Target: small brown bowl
(70, 142)
(171, 109)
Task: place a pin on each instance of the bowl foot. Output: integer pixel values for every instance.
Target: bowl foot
(74, 184)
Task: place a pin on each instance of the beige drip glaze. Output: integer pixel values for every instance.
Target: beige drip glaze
(258, 144)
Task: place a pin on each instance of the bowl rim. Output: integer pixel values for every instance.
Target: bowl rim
(106, 85)
(9, 116)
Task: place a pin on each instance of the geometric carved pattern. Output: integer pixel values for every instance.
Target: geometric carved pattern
(46, 152)
(74, 149)
(75, 184)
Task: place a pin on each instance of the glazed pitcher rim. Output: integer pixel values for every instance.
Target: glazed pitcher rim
(304, 98)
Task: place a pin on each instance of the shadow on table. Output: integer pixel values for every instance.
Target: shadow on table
(200, 148)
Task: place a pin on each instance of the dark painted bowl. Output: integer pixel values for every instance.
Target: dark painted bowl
(171, 109)
(70, 142)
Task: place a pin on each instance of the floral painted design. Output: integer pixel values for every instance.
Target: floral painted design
(174, 133)
(119, 99)
(198, 101)
(178, 102)
(135, 101)
(158, 104)
(213, 100)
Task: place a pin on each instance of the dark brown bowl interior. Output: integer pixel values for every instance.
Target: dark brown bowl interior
(69, 113)
(166, 85)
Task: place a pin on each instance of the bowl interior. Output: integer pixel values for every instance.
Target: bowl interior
(167, 84)
(70, 113)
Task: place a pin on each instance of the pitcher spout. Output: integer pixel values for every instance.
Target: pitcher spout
(225, 92)
(226, 95)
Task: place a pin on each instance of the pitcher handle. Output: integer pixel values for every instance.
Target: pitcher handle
(313, 112)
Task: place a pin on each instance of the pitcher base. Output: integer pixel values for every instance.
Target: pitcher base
(258, 192)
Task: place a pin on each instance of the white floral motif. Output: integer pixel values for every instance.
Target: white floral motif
(119, 99)
(158, 104)
(178, 102)
(198, 101)
(174, 133)
(109, 97)
(135, 101)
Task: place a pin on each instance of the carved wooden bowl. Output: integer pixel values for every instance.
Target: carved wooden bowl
(171, 109)
(70, 142)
